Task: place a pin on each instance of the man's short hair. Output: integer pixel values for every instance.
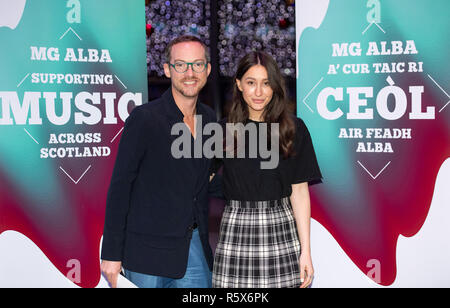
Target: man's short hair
(183, 39)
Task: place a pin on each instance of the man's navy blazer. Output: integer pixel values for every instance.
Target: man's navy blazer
(154, 199)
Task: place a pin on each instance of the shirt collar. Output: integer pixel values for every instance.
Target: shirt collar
(172, 109)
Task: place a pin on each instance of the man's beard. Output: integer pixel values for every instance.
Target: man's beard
(190, 93)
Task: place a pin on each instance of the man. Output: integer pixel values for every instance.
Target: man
(156, 224)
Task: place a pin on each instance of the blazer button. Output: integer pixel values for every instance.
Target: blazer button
(195, 199)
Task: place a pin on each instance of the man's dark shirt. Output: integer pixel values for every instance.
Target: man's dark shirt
(154, 199)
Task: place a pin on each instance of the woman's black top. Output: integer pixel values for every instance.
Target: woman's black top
(245, 180)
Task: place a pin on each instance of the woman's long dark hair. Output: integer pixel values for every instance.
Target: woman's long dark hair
(276, 111)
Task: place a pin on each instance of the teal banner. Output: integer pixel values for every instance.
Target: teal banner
(70, 74)
(372, 86)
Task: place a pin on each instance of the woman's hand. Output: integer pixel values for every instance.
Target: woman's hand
(306, 270)
(301, 207)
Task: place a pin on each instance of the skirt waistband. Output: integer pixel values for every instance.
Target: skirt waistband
(258, 204)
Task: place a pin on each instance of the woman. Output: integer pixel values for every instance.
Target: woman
(267, 217)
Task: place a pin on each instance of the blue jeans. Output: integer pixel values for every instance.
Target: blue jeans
(197, 274)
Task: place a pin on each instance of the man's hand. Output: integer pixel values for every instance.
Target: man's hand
(111, 271)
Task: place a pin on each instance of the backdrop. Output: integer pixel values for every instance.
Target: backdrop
(70, 73)
(372, 86)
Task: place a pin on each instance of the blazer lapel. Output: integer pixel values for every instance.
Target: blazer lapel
(193, 168)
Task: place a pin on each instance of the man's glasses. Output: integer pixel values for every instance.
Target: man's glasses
(182, 67)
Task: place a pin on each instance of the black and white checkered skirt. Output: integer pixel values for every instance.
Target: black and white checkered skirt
(258, 246)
